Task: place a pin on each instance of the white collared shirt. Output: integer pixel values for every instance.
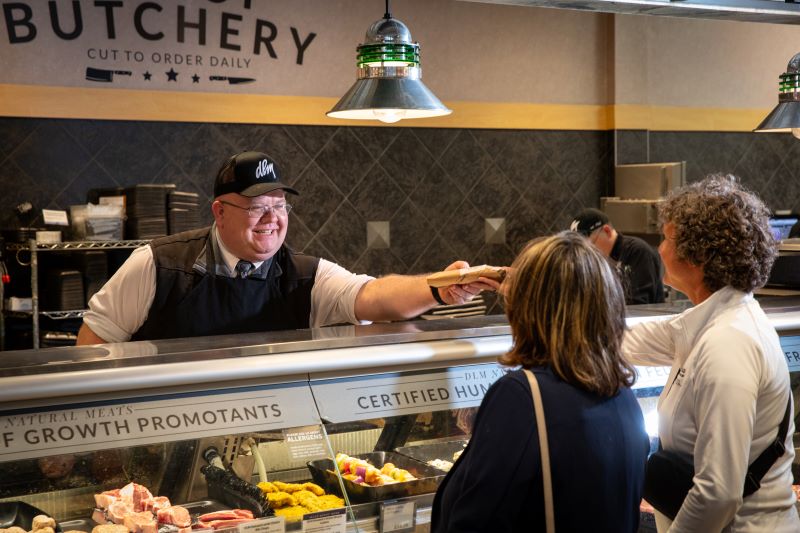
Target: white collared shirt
(722, 404)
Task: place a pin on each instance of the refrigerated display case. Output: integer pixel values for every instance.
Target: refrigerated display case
(255, 422)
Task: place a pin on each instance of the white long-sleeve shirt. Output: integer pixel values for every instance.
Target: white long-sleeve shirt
(723, 401)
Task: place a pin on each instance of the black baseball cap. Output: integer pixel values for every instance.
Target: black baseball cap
(250, 174)
(588, 221)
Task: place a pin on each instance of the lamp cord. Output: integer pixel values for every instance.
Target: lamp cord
(388, 13)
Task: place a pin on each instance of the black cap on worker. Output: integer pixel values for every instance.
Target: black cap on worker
(249, 174)
(588, 221)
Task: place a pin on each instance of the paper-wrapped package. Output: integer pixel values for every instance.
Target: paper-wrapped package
(462, 276)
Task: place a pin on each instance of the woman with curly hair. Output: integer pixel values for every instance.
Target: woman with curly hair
(566, 309)
(728, 390)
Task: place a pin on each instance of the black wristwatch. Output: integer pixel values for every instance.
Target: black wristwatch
(437, 296)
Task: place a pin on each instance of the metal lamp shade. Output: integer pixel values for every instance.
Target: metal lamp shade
(785, 117)
(387, 99)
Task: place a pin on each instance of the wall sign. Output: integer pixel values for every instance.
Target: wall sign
(361, 398)
(204, 45)
(97, 426)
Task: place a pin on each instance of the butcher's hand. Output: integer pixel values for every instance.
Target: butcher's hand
(459, 294)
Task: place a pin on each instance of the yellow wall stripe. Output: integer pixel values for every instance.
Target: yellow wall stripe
(121, 104)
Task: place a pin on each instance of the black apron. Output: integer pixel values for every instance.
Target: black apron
(190, 303)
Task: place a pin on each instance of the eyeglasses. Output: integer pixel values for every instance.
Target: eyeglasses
(258, 211)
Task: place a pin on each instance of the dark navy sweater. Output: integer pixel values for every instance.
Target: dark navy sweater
(598, 451)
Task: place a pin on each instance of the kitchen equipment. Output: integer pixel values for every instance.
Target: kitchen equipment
(106, 76)
(648, 180)
(428, 478)
(231, 80)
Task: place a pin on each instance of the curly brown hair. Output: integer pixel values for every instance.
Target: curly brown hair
(724, 228)
(566, 309)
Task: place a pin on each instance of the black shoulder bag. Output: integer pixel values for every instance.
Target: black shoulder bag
(669, 476)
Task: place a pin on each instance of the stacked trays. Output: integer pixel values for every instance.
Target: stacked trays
(428, 478)
(64, 291)
(184, 211)
(94, 264)
(146, 209)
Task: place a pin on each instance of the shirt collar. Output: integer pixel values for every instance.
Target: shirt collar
(227, 257)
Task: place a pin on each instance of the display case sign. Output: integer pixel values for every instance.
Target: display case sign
(398, 517)
(791, 349)
(651, 376)
(331, 521)
(274, 524)
(30, 433)
(365, 397)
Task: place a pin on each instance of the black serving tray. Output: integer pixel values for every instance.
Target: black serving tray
(20, 514)
(428, 478)
(428, 452)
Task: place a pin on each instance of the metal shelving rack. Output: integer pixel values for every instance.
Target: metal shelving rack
(34, 248)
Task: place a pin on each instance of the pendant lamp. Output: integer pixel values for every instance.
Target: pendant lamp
(786, 115)
(389, 86)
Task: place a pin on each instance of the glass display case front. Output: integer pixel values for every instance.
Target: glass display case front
(335, 430)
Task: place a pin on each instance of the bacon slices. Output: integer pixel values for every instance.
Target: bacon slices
(224, 519)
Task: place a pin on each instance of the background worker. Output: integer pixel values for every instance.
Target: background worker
(637, 262)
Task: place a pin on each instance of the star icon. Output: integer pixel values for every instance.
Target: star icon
(147, 75)
(195, 79)
(172, 75)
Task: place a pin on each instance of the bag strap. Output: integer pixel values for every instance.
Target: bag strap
(759, 468)
(547, 483)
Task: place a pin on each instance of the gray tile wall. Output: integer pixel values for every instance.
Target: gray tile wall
(767, 163)
(434, 187)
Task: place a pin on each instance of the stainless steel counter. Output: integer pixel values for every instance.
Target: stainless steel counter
(202, 362)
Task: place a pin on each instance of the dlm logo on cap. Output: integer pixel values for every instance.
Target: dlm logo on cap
(265, 167)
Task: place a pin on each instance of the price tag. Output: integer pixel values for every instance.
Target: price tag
(54, 217)
(332, 521)
(398, 517)
(275, 524)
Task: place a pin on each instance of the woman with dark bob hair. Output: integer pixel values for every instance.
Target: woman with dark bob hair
(566, 308)
(728, 390)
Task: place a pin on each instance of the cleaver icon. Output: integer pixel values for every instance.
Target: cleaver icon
(107, 76)
(231, 81)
